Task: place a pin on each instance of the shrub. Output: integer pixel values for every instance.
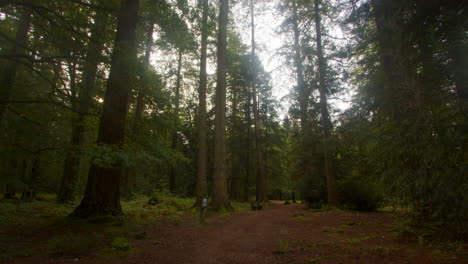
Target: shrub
(360, 195)
(120, 244)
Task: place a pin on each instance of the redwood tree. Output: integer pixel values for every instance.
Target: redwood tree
(201, 189)
(326, 123)
(260, 180)
(102, 195)
(81, 106)
(220, 194)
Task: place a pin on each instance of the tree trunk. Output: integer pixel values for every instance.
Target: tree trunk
(326, 123)
(201, 188)
(247, 155)
(81, 109)
(8, 73)
(102, 195)
(304, 92)
(175, 136)
(220, 194)
(260, 179)
(129, 174)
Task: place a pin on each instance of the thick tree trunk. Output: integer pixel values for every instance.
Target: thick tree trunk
(260, 168)
(220, 194)
(8, 73)
(201, 188)
(102, 195)
(326, 123)
(81, 109)
(129, 175)
(175, 135)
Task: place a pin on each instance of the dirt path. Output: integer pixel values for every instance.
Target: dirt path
(277, 234)
(282, 234)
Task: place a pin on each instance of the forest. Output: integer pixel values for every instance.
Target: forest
(241, 131)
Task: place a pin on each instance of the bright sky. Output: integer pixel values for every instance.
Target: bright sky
(268, 40)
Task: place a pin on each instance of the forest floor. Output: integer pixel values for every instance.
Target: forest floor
(278, 234)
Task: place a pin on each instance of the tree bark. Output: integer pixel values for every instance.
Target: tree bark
(326, 123)
(129, 175)
(8, 73)
(235, 156)
(201, 188)
(260, 169)
(220, 194)
(248, 122)
(102, 195)
(304, 92)
(81, 109)
(175, 136)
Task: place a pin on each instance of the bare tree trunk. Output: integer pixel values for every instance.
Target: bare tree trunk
(260, 180)
(175, 136)
(220, 194)
(235, 159)
(8, 73)
(102, 195)
(326, 123)
(304, 92)
(247, 155)
(201, 188)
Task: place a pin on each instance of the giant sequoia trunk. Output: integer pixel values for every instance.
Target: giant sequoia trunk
(260, 182)
(8, 71)
(102, 195)
(326, 123)
(81, 107)
(201, 188)
(220, 194)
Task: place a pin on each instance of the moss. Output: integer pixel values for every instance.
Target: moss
(120, 244)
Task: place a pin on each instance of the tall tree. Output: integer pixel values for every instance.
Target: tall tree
(81, 106)
(304, 91)
(220, 195)
(326, 123)
(102, 195)
(18, 49)
(201, 187)
(175, 133)
(129, 174)
(260, 168)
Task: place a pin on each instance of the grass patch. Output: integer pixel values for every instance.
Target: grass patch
(315, 261)
(357, 240)
(328, 229)
(73, 244)
(283, 244)
(299, 216)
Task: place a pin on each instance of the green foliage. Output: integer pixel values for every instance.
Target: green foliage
(360, 195)
(120, 244)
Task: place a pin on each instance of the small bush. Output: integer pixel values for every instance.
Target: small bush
(120, 244)
(72, 244)
(360, 195)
